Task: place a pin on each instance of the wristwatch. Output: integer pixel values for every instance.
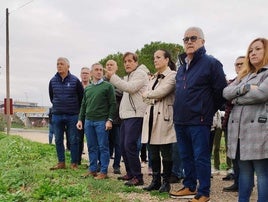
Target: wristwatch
(109, 119)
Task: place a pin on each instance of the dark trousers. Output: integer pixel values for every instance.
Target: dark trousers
(80, 144)
(236, 165)
(130, 132)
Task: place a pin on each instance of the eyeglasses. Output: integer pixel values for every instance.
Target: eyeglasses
(192, 38)
(239, 64)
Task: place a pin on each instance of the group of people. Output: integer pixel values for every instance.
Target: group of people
(172, 109)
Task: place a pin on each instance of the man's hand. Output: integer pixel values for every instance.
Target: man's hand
(108, 125)
(109, 73)
(79, 125)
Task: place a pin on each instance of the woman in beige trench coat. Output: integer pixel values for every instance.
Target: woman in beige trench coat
(158, 131)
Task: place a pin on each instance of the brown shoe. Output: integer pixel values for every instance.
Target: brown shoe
(74, 166)
(101, 176)
(199, 198)
(183, 193)
(134, 182)
(89, 173)
(124, 178)
(60, 165)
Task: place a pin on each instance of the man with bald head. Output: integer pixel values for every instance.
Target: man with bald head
(66, 93)
(114, 137)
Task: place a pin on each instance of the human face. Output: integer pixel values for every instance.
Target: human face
(191, 46)
(239, 64)
(160, 62)
(97, 72)
(85, 75)
(130, 64)
(111, 65)
(256, 53)
(62, 67)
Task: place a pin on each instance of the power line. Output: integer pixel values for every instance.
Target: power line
(2, 20)
(21, 6)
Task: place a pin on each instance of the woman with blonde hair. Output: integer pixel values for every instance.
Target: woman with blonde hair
(248, 124)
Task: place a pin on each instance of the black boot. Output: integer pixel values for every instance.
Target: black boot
(167, 168)
(156, 181)
(155, 184)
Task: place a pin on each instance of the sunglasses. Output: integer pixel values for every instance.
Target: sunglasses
(239, 64)
(192, 38)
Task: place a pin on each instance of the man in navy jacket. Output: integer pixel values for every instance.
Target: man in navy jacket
(199, 84)
(66, 94)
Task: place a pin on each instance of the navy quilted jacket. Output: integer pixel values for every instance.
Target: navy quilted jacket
(65, 95)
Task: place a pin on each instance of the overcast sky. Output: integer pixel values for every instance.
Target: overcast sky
(85, 31)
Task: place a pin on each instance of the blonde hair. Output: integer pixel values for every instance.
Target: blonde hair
(248, 67)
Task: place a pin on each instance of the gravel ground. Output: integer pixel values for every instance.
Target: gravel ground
(217, 195)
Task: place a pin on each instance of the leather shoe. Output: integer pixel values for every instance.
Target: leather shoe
(101, 176)
(60, 165)
(124, 178)
(232, 188)
(74, 166)
(134, 182)
(89, 173)
(228, 177)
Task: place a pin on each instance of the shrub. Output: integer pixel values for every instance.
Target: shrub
(2, 122)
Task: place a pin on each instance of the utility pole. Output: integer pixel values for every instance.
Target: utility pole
(8, 103)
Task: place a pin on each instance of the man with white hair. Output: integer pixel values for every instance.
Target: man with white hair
(66, 93)
(199, 84)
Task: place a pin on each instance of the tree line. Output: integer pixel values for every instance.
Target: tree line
(145, 55)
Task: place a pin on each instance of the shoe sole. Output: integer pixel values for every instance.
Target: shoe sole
(182, 197)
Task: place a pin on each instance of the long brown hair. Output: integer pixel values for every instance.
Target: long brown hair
(248, 67)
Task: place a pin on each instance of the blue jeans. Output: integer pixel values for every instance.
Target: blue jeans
(60, 122)
(246, 179)
(50, 133)
(98, 145)
(194, 149)
(115, 135)
(177, 169)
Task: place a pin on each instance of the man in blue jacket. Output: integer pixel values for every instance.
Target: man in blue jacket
(66, 93)
(199, 84)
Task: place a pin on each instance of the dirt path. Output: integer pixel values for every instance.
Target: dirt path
(217, 195)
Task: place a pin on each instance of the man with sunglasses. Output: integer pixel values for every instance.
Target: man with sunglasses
(199, 84)
(228, 107)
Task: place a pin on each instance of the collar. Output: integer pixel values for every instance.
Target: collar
(98, 82)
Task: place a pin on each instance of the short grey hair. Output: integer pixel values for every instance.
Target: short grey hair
(65, 60)
(91, 68)
(197, 29)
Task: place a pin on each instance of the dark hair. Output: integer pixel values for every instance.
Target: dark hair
(134, 55)
(241, 57)
(171, 64)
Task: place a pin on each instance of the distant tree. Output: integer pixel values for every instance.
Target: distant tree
(147, 52)
(146, 55)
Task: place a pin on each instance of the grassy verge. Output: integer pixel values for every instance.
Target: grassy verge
(25, 176)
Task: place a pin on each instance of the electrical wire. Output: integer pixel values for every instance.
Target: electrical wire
(21, 6)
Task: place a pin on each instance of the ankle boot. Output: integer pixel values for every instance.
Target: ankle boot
(167, 168)
(165, 187)
(155, 184)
